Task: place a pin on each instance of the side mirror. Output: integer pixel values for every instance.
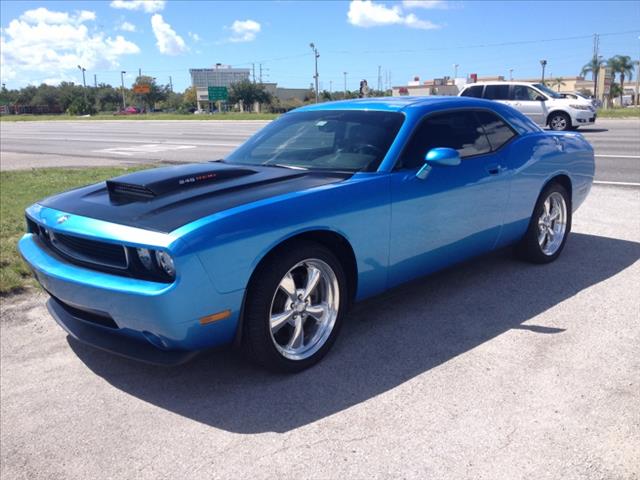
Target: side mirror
(540, 98)
(441, 157)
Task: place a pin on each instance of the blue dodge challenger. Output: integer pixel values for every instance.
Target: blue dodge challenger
(327, 205)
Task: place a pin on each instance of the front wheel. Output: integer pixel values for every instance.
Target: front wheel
(549, 226)
(294, 308)
(559, 121)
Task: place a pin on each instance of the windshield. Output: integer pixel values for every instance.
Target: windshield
(547, 90)
(323, 140)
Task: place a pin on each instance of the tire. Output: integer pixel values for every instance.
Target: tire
(559, 121)
(285, 330)
(545, 238)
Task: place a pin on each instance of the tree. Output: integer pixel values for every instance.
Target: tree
(623, 66)
(247, 93)
(156, 93)
(593, 67)
(558, 82)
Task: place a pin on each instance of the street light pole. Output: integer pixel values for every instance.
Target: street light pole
(84, 83)
(455, 72)
(124, 103)
(544, 64)
(316, 55)
(345, 85)
(511, 74)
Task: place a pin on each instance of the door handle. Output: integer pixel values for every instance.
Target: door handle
(494, 169)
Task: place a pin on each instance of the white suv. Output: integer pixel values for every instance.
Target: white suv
(538, 102)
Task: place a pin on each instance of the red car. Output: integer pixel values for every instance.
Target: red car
(128, 111)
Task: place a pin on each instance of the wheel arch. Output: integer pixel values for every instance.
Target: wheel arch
(558, 110)
(564, 180)
(334, 241)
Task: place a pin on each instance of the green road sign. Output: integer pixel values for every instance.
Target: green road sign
(218, 93)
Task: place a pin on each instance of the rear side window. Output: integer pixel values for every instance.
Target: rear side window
(475, 91)
(524, 93)
(459, 130)
(496, 92)
(497, 130)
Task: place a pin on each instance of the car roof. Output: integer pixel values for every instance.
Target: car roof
(389, 104)
(501, 82)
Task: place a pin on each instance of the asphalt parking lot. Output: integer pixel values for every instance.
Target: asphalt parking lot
(86, 143)
(494, 369)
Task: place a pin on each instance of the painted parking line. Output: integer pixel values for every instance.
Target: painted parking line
(620, 184)
(147, 148)
(617, 156)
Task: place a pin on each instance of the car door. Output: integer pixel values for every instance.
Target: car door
(530, 102)
(454, 213)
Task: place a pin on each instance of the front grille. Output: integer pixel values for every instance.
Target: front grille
(81, 249)
(90, 250)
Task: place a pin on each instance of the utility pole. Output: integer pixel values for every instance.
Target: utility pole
(124, 103)
(345, 84)
(511, 74)
(455, 72)
(84, 82)
(596, 64)
(379, 78)
(331, 87)
(316, 55)
(170, 83)
(543, 63)
(260, 76)
(139, 72)
(637, 84)
(95, 80)
(253, 70)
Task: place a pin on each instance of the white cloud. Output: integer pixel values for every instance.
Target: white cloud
(366, 13)
(149, 6)
(55, 43)
(244, 30)
(167, 40)
(127, 27)
(195, 37)
(426, 4)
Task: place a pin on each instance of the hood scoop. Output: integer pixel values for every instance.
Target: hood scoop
(157, 182)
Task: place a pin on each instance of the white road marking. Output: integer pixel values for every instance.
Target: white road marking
(147, 148)
(617, 156)
(621, 184)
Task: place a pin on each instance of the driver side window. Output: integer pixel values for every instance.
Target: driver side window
(524, 93)
(459, 130)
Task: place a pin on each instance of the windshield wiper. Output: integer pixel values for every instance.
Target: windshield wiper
(281, 165)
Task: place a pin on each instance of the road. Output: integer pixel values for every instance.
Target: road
(78, 143)
(494, 369)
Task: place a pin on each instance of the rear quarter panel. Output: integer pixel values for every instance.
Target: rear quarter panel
(532, 161)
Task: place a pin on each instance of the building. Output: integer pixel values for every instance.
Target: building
(218, 76)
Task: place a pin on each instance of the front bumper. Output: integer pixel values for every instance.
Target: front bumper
(140, 314)
(584, 117)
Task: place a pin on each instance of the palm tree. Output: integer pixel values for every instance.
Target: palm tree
(558, 82)
(593, 67)
(622, 65)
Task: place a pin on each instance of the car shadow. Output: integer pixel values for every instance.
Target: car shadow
(592, 130)
(386, 341)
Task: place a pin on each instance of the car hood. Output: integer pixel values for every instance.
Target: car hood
(163, 199)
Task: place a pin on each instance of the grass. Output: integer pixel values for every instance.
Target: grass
(146, 116)
(20, 189)
(619, 113)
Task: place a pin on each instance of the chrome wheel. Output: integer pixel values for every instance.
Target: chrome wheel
(552, 223)
(558, 122)
(304, 309)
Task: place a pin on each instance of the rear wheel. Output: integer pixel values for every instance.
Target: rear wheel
(549, 226)
(294, 308)
(559, 121)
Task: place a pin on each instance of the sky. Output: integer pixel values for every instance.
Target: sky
(45, 41)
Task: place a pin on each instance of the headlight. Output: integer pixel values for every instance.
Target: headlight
(166, 263)
(145, 257)
(581, 107)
